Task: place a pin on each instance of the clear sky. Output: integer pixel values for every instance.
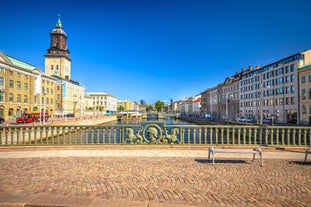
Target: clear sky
(157, 49)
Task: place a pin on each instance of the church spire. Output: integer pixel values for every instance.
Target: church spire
(59, 23)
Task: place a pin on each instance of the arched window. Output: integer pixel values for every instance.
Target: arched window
(10, 112)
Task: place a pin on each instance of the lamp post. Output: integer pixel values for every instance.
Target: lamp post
(44, 107)
(261, 102)
(80, 107)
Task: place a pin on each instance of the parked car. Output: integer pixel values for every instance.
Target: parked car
(1, 120)
(242, 118)
(250, 120)
(267, 121)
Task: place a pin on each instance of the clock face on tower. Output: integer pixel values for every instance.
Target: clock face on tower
(55, 41)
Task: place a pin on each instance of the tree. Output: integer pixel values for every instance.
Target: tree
(159, 105)
(149, 108)
(120, 108)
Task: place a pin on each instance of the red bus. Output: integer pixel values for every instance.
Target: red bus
(32, 117)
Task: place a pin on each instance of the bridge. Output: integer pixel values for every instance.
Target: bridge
(155, 132)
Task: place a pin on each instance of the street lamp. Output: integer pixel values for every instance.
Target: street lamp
(261, 102)
(44, 107)
(80, 107)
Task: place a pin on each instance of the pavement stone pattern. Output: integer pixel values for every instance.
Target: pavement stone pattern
(159, 181)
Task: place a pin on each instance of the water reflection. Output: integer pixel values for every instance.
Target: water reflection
(167, 120)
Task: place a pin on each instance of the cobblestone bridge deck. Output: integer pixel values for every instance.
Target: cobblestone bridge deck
(118, 176)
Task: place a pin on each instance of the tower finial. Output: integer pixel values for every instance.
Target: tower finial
(59, 23)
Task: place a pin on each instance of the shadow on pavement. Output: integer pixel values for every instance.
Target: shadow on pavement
(299, 163)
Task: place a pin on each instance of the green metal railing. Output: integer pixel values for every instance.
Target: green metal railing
(155, 133)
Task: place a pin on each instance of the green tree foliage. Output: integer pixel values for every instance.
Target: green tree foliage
(159, 105)
(149, 108)
(120, 108)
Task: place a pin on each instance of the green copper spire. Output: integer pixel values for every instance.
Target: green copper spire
(59, 23)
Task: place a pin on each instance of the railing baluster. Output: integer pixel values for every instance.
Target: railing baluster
(233, 136)
(294, 137)
(288, 136)
(222, 135)
(305, 137)
(249, 135)
(299, 137)
(23, 132)
(272, 137)
(277, 136)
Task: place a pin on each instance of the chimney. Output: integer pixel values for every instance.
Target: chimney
(250, 68)
(257, 67)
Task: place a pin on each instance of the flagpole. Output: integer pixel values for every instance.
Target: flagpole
(40, 107)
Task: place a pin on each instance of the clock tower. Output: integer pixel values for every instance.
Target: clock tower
(57, 60)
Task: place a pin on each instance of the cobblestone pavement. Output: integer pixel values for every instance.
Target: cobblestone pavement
(153, 181)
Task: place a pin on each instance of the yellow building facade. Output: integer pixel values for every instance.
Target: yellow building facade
(17, 89)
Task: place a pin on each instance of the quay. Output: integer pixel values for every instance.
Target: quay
(144, 176)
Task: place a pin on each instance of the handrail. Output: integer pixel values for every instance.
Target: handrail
(155, 133)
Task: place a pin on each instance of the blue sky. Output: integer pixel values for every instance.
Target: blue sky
(157, 49)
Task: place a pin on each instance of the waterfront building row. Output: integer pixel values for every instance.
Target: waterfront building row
(280, 90)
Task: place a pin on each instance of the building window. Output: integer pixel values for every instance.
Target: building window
(292, 88)
(52, 68)
(18, 84)
(286, 69)
(1, 81)
(25, 86)
(11, 83)
(287, 100)
(303, 79)
(309, 78)
(18, 97)
(304, 109)
(287, 79)
(26, 77)
(292, 78)
(25, 99)
(11, 73)
(18, 75)
(292, 68)
(1, 95)
(11, 112)
(292, 100)
(287, 90)
(303, 94)
(11, 97)
(309, 93)
(52, 91)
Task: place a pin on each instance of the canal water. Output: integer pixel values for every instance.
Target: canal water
(167, 120)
